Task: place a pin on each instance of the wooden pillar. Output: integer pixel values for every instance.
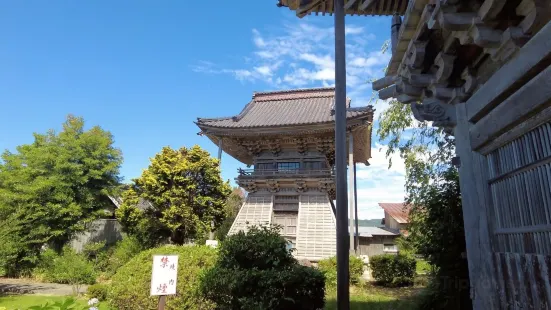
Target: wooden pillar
(351, 177)
(357, 238)
(476, 201)
(343, 301)
(220, 150)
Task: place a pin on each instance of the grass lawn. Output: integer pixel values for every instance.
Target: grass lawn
(14, 302)
(376, 298)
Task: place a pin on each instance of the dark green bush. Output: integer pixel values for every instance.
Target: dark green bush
(256, 271)
(130, 286)
(329, 268)
(98, 291)
(393, 270)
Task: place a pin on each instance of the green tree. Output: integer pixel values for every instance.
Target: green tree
(186, 193)
(50, 189)
(233, 204)
(432, 188)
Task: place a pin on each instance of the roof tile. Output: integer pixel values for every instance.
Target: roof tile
(287, 107)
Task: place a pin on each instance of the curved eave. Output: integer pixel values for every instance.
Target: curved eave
(352, 7)
(361, 128)
(409, 30)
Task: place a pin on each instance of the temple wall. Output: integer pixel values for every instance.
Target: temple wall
(503, 140)
(315, 237)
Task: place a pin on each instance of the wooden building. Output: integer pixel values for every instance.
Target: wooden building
(396, 216)
(377, 241)
(287, 138)
(481, 70)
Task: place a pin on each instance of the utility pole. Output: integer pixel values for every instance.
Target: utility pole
(343, 301)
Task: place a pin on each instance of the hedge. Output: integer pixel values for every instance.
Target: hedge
(130, 286)
(329, 268)
(393, 270)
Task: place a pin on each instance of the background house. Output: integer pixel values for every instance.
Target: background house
(107, 228)
(376, 241)
(396, 216)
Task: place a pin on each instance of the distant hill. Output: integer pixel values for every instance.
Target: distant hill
(370, 223)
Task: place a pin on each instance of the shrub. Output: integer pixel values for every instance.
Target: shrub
(98, 291)
(67, 268)
(256, 271)
(121, 253)
(393, 270)
(329, 267)
(130, 286)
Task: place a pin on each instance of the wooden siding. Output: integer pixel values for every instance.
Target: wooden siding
(316, 237)
(257, 210)
(375, 245)
(520, 184)
(102, 230)
(390, 222)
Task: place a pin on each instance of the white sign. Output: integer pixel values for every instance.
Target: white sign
(163, 277)
(212, 243)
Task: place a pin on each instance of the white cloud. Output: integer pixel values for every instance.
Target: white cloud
(303, 54)
(379, 183)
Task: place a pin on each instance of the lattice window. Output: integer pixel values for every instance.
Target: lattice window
(286, 203)
(520, 184)
(264, 166)
(288, 166)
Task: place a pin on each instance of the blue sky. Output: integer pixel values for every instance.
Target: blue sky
(145, 71)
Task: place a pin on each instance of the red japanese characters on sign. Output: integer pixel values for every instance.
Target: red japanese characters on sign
(164, 274)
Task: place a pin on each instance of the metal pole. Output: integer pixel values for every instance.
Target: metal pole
(343, 302)
(351, 191)
(211, 233)
(357, 241)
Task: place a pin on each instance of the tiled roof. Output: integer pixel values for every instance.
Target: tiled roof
(287, 107)
(376, 231)
(380, 7)
(142, 203)
(399, 211)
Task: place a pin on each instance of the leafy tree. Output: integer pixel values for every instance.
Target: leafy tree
(52, 188)
(233, 204)
(432, 188)
(186, 193)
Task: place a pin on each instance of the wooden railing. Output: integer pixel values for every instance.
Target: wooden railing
(281, 172)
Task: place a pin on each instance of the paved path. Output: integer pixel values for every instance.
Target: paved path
(26, 286)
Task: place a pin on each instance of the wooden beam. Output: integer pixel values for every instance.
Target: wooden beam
(511, 75)
(518, 131)
(349, 4)
(389, 92)
(367, 5)
(523, 230)
(533, 97)
(383, 83)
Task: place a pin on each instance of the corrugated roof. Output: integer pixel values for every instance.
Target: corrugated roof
(399, 211)
(287, 107)
(376, 231)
